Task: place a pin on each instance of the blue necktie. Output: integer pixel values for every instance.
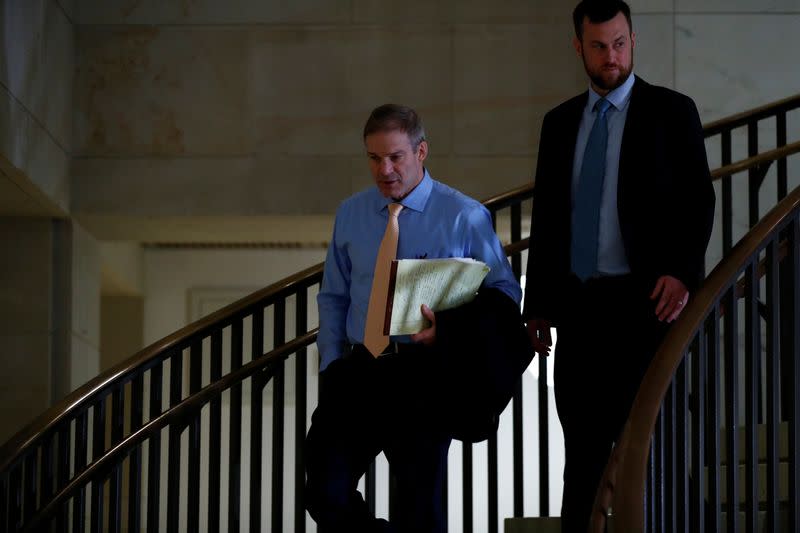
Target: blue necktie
(586, 211)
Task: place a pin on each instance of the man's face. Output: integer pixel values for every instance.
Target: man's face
(607, 52)
(394, 164)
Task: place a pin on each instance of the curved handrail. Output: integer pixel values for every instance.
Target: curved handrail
(755, 161)
(182, 410)
(740, 119)
(49, 419)
(629, 458)
(85, 394)
(95, 387)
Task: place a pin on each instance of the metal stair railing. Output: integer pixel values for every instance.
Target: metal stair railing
(95, 459)
(693, 384)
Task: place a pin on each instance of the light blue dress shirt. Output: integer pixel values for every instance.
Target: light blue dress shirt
(437, 221)
(611, 258)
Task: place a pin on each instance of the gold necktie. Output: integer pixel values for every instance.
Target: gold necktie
(374, 339)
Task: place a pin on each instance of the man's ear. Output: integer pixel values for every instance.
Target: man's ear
(422, 151)
(576, 43)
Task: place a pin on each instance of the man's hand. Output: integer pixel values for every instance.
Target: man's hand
(426, 336)
(539, 332)
(672, 296)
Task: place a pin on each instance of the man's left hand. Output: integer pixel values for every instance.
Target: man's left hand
(672, 296)
(426, 336)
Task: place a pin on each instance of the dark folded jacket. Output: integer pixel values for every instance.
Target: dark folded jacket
(485, 349)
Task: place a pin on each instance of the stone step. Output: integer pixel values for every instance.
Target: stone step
(553, 524)
(763, 527)
(783, 483)
(761, 439)
(532, 525)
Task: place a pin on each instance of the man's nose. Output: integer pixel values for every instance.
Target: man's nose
(386, 167)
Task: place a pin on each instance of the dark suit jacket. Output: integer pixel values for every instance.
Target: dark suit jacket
(484, 348)
(665, 198)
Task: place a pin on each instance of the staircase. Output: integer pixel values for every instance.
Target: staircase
(141, 446)
(738, 477)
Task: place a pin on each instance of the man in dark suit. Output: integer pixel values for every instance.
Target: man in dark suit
(622, 213)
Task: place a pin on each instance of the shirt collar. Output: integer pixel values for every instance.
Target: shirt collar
(415, 200)
(618, 98)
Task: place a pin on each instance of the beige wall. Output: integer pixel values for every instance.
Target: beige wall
(121, 328)
(25, 320)
(49, 315)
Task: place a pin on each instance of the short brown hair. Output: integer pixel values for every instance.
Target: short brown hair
(599, 11)
(395, 117)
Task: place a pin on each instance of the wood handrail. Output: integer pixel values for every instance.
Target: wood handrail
(740, 119)
(151, 355)
(82, 396)
(755, 161)
(628, 460)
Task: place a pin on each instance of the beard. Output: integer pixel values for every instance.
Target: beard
(608, 80)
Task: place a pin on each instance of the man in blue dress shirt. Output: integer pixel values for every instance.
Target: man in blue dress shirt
(387, 403)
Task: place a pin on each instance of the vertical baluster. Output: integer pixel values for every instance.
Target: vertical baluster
(793, 353)
(154, 451)
(650, 484)
(727, 196)
(519, 452)
(135, 461)
(544, 440)
(369, 487)
(682, 453)
(256, 424)
(754, 181)
(731, 326)
(466, 462)
(773, 388)
(48, 476)
(301, 370)
(174, 446)
(15, 503)
(492, 482)
(81, 451)
(4, 504)
(215, 437)
(516, 235)
(713, 352)
(278, 420)
(115, 486)
(193, 494)
(752, 367)
(671, 474)
(699, 375)
(31, 480)
(780, 134)
(235, 445)
(659, 499)
(98, 448)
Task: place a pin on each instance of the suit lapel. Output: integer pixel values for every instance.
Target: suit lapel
(632, 134)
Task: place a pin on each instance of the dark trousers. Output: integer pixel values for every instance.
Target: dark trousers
(366, 406)
(603, 348)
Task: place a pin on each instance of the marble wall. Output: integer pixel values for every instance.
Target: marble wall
(189, 108)
(36, 101)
